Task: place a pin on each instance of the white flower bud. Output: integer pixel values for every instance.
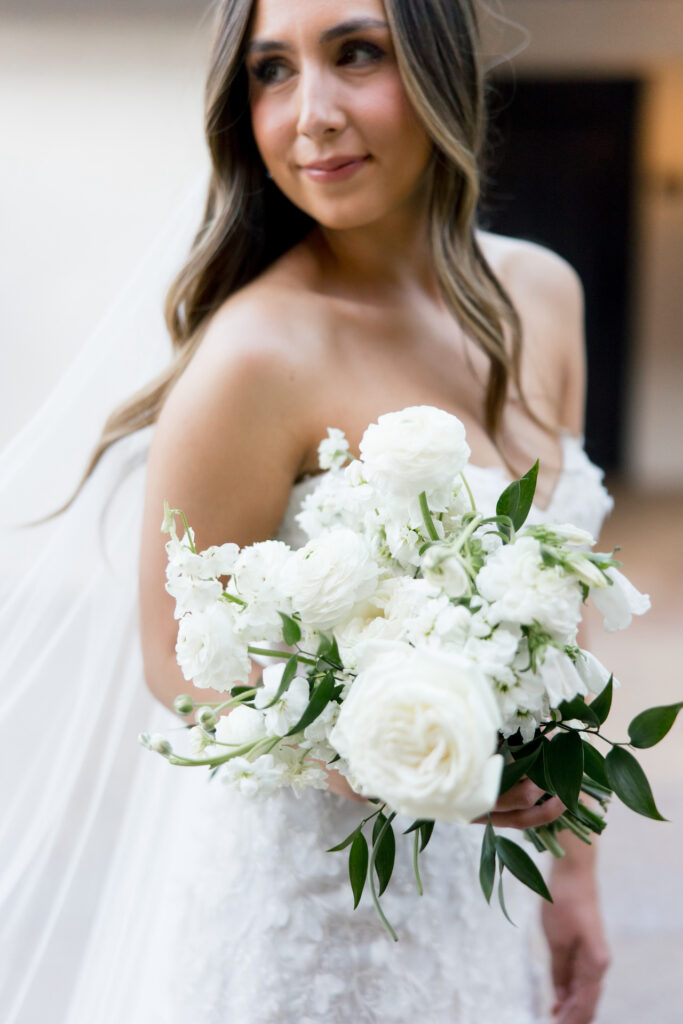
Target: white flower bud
(144, 739)
(160, 744)
(183, 704)
(206, 717)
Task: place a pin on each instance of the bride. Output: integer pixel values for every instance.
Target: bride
(338, 273)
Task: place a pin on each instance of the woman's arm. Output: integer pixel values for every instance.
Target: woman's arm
(226, 449)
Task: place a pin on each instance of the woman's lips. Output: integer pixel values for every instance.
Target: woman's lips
(337, 173)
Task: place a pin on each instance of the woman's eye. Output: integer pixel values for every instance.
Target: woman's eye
(368, 52)
(268, 71)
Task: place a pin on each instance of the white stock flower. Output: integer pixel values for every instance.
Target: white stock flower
(521, 589)
(209, 650)
(593, 673)
(442, 566)
(259, 578)
(559, 676)
(192, 594)
(287, 711)
(298, 771)
(240, 726)
(419, 730)
(258, 778)
(619, 602)
(329, 576)
(333, 450)
(420, 448)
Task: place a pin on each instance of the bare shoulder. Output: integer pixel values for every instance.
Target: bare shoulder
(531, 269)
(548, 294)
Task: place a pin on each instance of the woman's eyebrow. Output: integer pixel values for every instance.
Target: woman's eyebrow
(344, 28)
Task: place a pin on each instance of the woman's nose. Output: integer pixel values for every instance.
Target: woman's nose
(320, 110)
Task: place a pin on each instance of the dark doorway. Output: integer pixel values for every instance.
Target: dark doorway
(561, 172)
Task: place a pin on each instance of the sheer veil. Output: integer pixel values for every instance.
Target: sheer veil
(89, 818)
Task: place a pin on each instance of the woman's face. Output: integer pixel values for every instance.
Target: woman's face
(325, 88)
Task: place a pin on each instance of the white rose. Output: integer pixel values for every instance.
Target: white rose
(523, 590)
(259, 578)
(419, 730)
(241, 726)
(287, 711)
(209, 650)
(329, 575)
(619, 602)
(417, 449)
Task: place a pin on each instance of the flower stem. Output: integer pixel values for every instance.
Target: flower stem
(427, 516)
(280, 654)
(469, 492)
(371, 868)
(416, 869)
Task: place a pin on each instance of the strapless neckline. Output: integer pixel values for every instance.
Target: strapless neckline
(571, 448)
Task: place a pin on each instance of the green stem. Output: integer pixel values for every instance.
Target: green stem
(280, 654)
(416, 869)
(371, 869)
(549, 841)
(427, 516)
(469, 492)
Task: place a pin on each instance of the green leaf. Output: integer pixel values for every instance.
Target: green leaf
(329, 651)
(287, 676)
(577, 708)
(345, 842)
(651, 726)
(426, 829)
(322, 695)
(628, 781)
(487, 862)
(516, 770)
(385, 841)
(538, 771)
(291, 632)
(564, 765)
(358, 866)
(520, 864)
(501, 898)
(517, 499)
(603, 702)
(594, 764)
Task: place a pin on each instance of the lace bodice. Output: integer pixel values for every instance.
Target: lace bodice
(263, 930)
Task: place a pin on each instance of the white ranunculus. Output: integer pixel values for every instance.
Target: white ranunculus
(289, 708)
(329, 576)
(333, 450)
(419, 730)
(420, 448)
(209, 650)
(619, 602)
(521, 589)
(241, 726)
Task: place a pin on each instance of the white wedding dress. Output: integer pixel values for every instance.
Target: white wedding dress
(252, 920)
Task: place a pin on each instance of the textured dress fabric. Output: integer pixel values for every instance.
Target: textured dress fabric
(259, 926)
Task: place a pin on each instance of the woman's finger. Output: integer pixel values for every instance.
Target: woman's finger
(531, 817)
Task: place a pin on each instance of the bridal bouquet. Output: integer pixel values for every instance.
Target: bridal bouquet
(423, 648)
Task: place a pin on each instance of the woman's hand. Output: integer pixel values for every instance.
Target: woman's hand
(574, 930)
(519, 808)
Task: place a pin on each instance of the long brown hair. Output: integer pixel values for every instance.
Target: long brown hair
(248, 222)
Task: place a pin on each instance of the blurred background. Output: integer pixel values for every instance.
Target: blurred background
(101, 114)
